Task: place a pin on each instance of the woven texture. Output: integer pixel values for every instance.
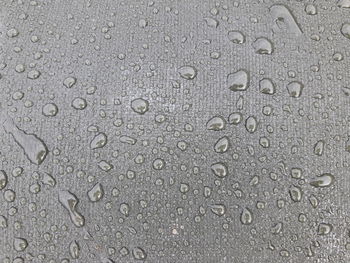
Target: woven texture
(174, 131)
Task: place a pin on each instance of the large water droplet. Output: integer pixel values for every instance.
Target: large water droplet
(140, 106)
(216, 123)
(98, 141)
(3, 179)
(251, 124)
(70, 201)
(295, 89)
(219, 169)
(323, 180)
(295, 193)
(187, 72)
(284, 20)
(139, 254)
(345, 30)
(263, 46)
(218, 209)
(96, 193)
(222, 145)
(34, 148)
(236, 37)
(246, 216)
(69, 82)
(20, 244)
(267, 86)
(238, 81)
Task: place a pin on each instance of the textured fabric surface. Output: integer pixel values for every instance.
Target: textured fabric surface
(174, 131)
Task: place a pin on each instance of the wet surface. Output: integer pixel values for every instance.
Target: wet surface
(174, 131)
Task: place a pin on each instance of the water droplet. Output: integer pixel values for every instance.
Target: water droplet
(296, 173)
(311, 9)
(222, 145)
(140, 106)
(79, 103)
(98, 141)
(139, 254)
(3, 221)
(211, 22)
(251, 124)
(142, 23)
(323, 180)
(33, 147)
(267, 86)
(218, 209)
(20, 244)
(238, 81)
(319, 147)
(158, 164)
(324, 229)
(216, 123)
(13, 32)
(69, 82)
(96, 193)
(345, 30)
(3, 179)
(295, 193)
(187, 72)
(295, 89)
(235, 118)
(219, 169)
(50, 110)
(74, 249)
(246, 216)
(33, 74)
(236, 37)
(344, 3)
(124, 209)
(284, 20)
(70, 202)
(263, 46)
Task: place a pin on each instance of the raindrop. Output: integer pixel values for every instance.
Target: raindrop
(96, 193)
(50, 110)
(238, 81)
(295, 89)
(216, 123)
(263, 46)
(98, 141)
(79, 103)
(246, 216)
(20, 244)
(295, 193)
(218, 209)
(235, 118)
(3, 179)
(33, 147)
(222, 145)
(69, 82)
(345, 30)
(140, 106)
(267, 86)
(323, 180)
(70, 201)
(187, 72)
(251, 124)
(284, 21)
(139, 254)
(236, 37)
(219, 169)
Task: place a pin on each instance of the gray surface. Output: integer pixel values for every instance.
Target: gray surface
(84, 186)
